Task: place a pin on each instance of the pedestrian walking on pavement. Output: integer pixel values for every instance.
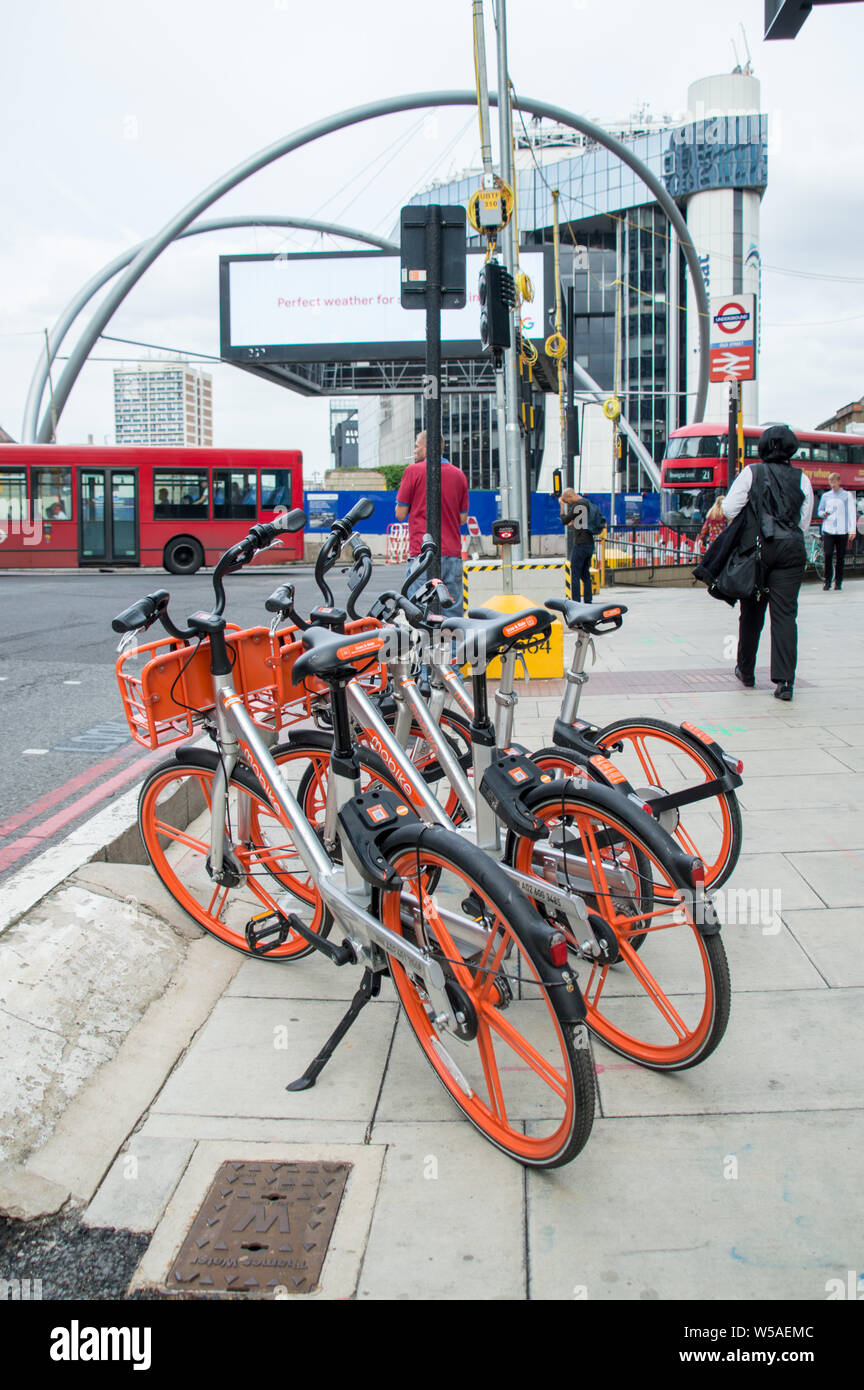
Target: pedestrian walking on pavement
(837, 511)
(411, 503)
(780, 501)
(582, 520)
(715, 522)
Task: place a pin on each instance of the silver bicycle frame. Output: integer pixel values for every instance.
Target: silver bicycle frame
(239, 735)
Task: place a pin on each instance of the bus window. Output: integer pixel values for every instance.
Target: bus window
(684, 509)
(751, 447)
(819, 453)
(235, 494)
(694, 446)
(275, 489)
(13, 494)
(179, 494)
(52, 493)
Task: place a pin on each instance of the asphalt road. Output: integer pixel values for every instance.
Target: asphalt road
(64, 734)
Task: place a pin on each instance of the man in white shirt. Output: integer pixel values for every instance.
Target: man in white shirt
(837, 510)
(781, 499)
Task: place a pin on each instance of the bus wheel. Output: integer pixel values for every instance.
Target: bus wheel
(183, 555)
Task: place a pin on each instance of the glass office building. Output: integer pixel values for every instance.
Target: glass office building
(634, 325)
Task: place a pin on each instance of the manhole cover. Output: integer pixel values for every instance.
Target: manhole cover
(262, 1227)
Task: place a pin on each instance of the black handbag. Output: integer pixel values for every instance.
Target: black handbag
(741, 576)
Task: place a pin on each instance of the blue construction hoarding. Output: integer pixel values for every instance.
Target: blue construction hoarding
(323, 507)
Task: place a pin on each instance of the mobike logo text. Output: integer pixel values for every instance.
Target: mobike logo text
(457, 692)
(77, 1343)
(263, 780)
(375, 743)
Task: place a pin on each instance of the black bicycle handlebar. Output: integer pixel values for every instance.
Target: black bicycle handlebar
(358, 576)
(426, 556)
(146, 611)
(361, 511)
(143, 613)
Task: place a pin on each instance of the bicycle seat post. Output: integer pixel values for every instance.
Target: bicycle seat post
(506, 700)
(575, 678)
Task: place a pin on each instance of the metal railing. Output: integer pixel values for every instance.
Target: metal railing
(646, 547)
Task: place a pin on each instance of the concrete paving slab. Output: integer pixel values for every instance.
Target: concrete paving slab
(773, 1057)
(448, 1221)
(411, 1089)
(138, 1186)
(850, 733)
(251, 1049)
(341, 1271)
(782, 793)
(837, 874)
(134, 884)
(160, 1125)
(832, 828)
(313, 977)
(773, 873)
(768, 766)
(834, 941)
(742, 1207)
(762, 952)
(849, 757)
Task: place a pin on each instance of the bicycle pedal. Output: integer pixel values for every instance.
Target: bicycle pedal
(266, 931)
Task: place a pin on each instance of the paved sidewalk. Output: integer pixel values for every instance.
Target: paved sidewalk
(739, 1179)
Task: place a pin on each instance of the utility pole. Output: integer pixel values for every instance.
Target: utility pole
(510, 447)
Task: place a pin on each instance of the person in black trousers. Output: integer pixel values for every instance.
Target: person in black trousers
(780, 499)
(574, 514)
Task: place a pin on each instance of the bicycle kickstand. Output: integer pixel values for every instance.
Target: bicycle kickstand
(370, 986)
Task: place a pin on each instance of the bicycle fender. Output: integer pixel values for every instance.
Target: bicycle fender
(657, 840)
(533, 930)
(209, 758)
(709, 746)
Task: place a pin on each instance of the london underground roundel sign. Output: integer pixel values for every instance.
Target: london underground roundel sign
(733, 338)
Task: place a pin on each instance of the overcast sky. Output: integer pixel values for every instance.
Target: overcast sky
(115, 115)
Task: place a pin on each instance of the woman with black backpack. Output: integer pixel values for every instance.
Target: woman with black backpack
(779, 499)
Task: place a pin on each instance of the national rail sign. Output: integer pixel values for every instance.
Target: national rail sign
(733, 337)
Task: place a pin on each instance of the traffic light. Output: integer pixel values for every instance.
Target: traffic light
(497, 293)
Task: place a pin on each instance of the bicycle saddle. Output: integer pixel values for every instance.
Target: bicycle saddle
(588, 617)
(492, 632)
(334, 652)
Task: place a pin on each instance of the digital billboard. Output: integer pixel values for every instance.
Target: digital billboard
(338, 307)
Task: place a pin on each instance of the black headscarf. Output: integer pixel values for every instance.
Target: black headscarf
(777, 444)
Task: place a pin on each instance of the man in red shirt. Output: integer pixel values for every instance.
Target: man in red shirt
(411, 503)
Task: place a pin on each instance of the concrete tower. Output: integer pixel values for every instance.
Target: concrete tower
(724, 221)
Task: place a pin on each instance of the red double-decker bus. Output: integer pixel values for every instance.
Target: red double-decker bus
(181, 508)
(695, 469)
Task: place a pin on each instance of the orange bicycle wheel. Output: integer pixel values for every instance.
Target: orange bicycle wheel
(663, 997)
(174, 817)
(654, 755)
(520, 1073)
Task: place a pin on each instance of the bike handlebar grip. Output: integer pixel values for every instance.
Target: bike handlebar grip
(413, 612)
(292, 521)
(361, 511)
(142, 613)
(281, 599)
